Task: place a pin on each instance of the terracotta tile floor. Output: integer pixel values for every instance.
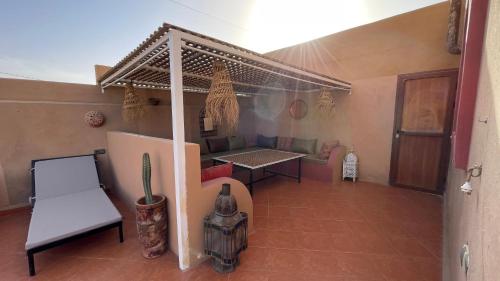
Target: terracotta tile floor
(309, 231)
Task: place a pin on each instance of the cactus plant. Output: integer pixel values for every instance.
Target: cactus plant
(151, 216)
(146, 178)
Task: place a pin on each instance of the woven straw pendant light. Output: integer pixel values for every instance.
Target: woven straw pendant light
(221, 104)
(133, 106)
(325, 104)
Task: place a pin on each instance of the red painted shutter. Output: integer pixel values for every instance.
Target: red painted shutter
(468, 77)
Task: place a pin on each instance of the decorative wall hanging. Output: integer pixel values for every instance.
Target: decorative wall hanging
(133, 105)
(94, 118)
(221, 104)
(205, 129)
(298, 109)
(325, 105)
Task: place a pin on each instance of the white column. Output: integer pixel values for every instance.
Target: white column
(176, 92)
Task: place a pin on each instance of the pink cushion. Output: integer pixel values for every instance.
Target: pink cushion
(284, 143)
(219, 171)
(326, 148)
(334, 155)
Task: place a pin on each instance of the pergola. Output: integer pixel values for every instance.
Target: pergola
(181, 61)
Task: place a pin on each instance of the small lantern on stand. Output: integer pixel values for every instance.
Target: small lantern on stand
(350, 166)
(225, 232)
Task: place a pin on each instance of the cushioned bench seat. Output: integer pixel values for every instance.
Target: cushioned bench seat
(313, 167)
(328, 169)
(316, 159)
(209, 156)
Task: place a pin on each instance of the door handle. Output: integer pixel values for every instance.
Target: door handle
(397, 134)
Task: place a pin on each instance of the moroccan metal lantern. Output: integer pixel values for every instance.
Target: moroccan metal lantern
(350, 166)
(225, 232)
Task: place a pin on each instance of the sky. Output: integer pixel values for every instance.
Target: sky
(62, 40)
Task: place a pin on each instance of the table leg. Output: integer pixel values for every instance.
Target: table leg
(300, 170)
(120, 232)
(250, 184)
(31, 263)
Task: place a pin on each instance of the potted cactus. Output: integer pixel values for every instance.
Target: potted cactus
(151, 216)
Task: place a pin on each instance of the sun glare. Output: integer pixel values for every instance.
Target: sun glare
(275, 24)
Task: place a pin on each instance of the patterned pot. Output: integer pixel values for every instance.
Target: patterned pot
(152, 226)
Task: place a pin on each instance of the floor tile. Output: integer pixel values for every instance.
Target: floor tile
(309, 231)
(410, 247)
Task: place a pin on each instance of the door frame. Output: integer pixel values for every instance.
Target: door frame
(445, 146)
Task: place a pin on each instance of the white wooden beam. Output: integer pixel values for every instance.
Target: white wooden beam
(112, 80)
(267, 70)
(179, 147)
(123, 71)
(187, 74)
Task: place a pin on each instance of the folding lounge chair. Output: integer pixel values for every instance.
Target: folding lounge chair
(68, 204)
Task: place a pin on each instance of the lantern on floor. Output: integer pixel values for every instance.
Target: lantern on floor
(350, 166)
(225, 232)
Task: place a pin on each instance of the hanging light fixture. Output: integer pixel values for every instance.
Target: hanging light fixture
(221, 104)
(133, 106)
(325, 104)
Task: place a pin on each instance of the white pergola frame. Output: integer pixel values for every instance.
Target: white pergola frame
(171, 42)
(217, 50)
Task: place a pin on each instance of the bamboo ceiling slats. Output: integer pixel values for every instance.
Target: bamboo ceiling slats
(149, 66)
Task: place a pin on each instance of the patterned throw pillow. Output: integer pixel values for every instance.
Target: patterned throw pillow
(284, 143)
(326, 149)
(219, 171)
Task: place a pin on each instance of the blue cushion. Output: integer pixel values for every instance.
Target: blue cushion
(267, 142)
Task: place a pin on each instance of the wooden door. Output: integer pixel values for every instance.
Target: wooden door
(422, 129)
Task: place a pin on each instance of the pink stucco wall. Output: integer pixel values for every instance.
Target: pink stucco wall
(370, 57)
(41, 119)
(475, 218)
(125, 152)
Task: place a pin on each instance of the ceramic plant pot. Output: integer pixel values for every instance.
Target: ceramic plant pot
(152, 226)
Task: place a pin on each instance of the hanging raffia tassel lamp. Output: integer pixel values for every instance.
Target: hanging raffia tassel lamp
(133, 106)
(326, 104)
(221, 104)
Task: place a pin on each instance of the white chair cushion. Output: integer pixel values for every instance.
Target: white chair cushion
(64, 216)
(56, 177)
